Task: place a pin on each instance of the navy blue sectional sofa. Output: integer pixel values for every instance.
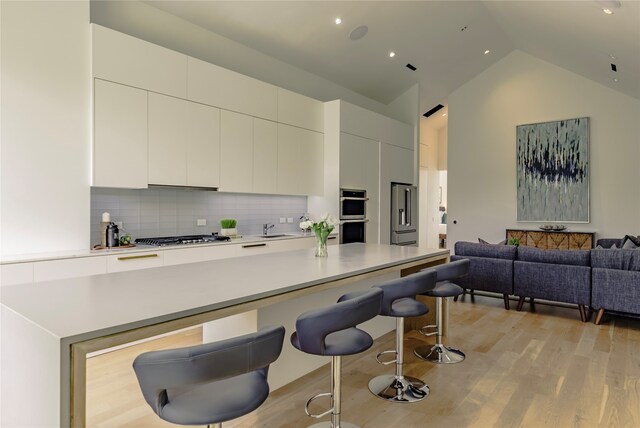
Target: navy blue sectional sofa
(602, 279)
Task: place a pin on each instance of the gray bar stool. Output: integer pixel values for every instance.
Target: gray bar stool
(210, 383)
(332, 331)
(439, 353)
(399, 301)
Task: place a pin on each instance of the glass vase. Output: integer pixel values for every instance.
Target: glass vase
(321, 245)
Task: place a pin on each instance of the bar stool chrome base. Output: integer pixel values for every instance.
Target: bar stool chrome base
(327, 424)
(439, 353)
(403, 389)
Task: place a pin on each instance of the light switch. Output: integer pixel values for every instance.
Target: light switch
(283, 220)
(289, 219)
(201, 222)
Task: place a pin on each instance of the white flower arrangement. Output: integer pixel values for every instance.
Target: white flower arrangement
(322, 228)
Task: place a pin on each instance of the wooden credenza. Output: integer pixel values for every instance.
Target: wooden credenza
(553, 240)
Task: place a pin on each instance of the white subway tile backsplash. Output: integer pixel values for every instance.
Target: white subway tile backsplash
(163, 212)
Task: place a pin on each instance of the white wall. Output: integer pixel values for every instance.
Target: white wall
(44, 193)
(520, 89)
(443, 141)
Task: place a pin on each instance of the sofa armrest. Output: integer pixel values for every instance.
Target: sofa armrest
(616, 290)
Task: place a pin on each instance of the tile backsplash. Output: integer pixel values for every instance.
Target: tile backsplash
(166, 212)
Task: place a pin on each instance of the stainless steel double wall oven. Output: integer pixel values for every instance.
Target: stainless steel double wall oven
(353, 215)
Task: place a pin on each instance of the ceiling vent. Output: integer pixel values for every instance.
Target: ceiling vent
(614, 67)
(411, 67)
(433, 110)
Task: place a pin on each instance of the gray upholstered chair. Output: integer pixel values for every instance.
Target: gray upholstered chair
(439, 353)
(399, 301)
(332, 331)
(209, 383)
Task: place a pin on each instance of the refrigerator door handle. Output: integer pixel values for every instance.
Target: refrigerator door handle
(403, 215)
(407, 206)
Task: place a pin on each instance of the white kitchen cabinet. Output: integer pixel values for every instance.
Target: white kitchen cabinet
(267, 246)
(300, 161)
(119, 136)
(121, 58)
(298, 110)
(399, 162)
(167, 140)
(356, 120)
(68, 268)
(133, 261)
(265, 156)
(219, 87)
(184, 142)
(236, 152)
(203, 145)
(16, 273)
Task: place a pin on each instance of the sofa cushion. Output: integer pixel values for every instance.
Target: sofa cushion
(621, 259)
(630, 242)
(564, 257)
(506, 252)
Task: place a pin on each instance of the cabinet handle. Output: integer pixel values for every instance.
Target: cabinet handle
(144, 256)
(254, 245)
(332, 237)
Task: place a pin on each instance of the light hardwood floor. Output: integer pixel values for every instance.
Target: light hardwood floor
(523, 369)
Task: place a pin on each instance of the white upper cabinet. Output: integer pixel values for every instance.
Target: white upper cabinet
(119, 136)
(121, 58)
(219, 87)
(298, 110)
(265, 156)
(184, 142)
(167, 140)
(203, 145)
(236, 152)
(300, 161)
(399, 162)
(365, 123)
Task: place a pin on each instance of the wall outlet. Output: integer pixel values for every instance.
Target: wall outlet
(120, 225)
(201, 222)
(283, 220)
(289, 219)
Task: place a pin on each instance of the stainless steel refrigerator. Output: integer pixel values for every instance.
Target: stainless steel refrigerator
(404, 214)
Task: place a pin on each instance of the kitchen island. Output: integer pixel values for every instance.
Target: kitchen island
(49, 327)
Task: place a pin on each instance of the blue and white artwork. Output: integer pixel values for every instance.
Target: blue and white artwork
(553, 171)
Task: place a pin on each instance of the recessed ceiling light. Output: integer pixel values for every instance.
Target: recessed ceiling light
(608, 11)
(487, 51)
(615, 79)
(444, 114)
(338, 21)
(392, 54)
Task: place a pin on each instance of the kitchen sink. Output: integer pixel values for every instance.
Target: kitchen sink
(276, 235)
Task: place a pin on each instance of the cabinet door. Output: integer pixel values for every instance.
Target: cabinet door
(122, 58)
(16, 273)
(400, 163)
(312, 155)
(69, 268)
(119, 136)
(298, 110)
(203, 145)
(135, 261)
(300, 161)
(289, 163)
(265, 156)
(167, 140)
(236, 152)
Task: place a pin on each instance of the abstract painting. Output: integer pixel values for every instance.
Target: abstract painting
(553, 171)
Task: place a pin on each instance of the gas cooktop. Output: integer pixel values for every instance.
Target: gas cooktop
(181, 240)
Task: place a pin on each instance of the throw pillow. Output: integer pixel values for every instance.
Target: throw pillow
(613, 247)
(599, 246)
(630, 242)
(482, 241)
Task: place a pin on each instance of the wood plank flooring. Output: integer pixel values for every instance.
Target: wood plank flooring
(541, 368)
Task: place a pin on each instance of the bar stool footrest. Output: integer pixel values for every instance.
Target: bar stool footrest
(386, 363)
(439, 354)
(306, 406)
(403, 389)
(423, 330)
(328, 424)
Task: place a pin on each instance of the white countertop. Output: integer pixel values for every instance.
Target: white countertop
(83, 308)
(38, 257)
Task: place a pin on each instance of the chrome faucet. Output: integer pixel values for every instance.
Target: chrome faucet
(266, 227)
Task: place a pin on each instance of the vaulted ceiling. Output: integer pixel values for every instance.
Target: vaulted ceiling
(445, 40)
